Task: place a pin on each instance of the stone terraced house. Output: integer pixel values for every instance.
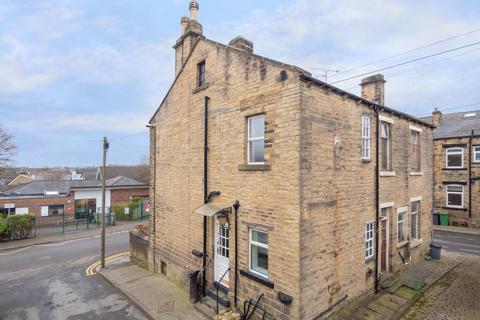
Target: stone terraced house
(456, 150)
(266, 181)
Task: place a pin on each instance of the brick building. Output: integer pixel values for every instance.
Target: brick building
(456, 145)
(74, 198)
(299, 156)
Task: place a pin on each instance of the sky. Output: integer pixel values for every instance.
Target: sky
(73, 71)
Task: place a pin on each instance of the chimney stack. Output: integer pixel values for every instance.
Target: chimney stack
(242, 44)
(436, 117)
(373, 89)
(194, 7)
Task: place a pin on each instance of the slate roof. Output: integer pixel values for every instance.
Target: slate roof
(458, 124)
(139, 173)
(40, 187)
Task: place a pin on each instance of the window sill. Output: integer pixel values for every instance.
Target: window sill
(415, 243)
(368, 260)
(454, 168)
(387, 173)
(198, 89)
(257, 278)
(366, 160)
(254, 167)
(416, 173)
(455, 208)
(402, 244)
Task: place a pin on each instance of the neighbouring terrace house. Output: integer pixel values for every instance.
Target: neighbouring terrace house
(76, 199)
(269, 181)
(456, 150)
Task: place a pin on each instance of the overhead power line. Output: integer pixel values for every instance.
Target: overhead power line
(409, 51)
(408, 62)
(452, 108)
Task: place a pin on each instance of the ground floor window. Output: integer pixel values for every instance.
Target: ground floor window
(56, 210)
(400, 226)
(369, 231)
(259, 252)
(85, 207)
(414, 218)
(454, 196)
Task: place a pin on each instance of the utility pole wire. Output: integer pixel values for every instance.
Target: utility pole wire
(452, 108)
(408, 62)
(408, 51)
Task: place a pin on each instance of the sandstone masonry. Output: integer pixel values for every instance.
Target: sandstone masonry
(313, 197)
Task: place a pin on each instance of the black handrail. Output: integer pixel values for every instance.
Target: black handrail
(219, 282)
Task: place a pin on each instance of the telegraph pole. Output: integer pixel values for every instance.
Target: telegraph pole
(104, 187)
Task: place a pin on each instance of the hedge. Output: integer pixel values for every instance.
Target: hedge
(16, 227)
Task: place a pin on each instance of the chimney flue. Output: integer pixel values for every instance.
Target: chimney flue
(436, 117)
(373, 89)
(242, 44)
(194, 7)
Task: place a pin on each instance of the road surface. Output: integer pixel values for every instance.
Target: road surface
(457, 242)
(49, 282)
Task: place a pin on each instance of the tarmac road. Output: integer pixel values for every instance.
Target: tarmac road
(49, 282)
(458, 242)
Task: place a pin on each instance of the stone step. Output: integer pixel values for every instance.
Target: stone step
(222, 296)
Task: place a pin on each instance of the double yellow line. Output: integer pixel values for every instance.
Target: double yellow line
(92, 270)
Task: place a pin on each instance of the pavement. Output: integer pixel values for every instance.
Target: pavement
(401, 290)
(68, 236)
(154, 293)
(462, 230)
(48, 282)
(454, 296)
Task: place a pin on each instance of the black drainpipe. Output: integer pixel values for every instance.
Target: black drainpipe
(205, 196)
(236, 206)
(377, 191)
(470, 176)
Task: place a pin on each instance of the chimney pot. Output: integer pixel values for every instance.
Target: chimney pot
(242, 44)
(184, 22)
(194, 7)
(373, 89)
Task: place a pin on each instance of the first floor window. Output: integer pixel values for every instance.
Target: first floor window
(386, 146)
(416, 157)
(400, 226)
(455, 196)
(415, 212)
(365, 138)
(454, 158)
(256, 140)
(369, 231)
(476, 154)
(259, 252)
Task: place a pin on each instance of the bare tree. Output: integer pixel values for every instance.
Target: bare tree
(7, 150)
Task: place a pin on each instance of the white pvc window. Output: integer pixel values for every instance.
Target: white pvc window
(386, 146)
(256, 140)
(366, 138)
(454, 196)
(414, 217)
(454, 158)
(369, 244)
(476, 154)
(400, 226)
(259, 252)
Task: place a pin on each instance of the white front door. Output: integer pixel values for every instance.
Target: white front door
(222, 250)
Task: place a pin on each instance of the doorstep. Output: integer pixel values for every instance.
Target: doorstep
(154, 294)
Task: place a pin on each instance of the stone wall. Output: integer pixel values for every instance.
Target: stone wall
(139, 249)
(444, 176)
(338, 196)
